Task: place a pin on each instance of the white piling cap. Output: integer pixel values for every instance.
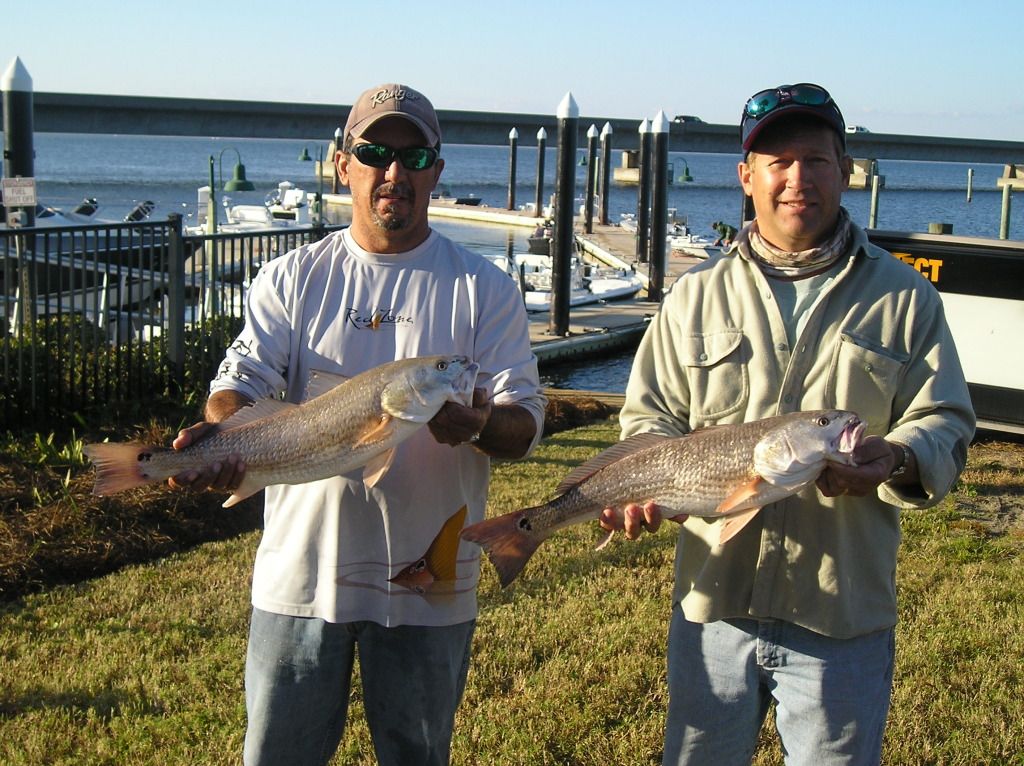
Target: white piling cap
(567, 110)
(542, 135)
(660, 122)
(513, 134)
(16, 78)
(645, 126)
(606, 130)
(592, 131)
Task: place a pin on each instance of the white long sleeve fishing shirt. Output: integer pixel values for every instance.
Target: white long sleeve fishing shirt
(329, 547)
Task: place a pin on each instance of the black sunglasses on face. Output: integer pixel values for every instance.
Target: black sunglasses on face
(805, 93)
(381, 156)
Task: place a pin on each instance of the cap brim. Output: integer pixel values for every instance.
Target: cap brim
(791, 110)
(361, 127)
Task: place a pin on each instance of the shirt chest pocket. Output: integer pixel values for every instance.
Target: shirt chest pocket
(864, 378)
(716, 372)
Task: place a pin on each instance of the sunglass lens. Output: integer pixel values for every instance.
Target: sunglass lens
(374, 155)
(809, 95)
(418, 157)
(762, 103)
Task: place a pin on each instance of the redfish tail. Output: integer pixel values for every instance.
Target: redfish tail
(119, 466)
(507, 543)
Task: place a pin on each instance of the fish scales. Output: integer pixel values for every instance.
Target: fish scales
(355, 424)
(728, 471)
(682, 474)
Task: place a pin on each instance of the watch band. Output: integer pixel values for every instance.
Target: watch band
(900, 469)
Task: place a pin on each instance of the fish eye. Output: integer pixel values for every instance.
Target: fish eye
(822, 420)
(442, 365)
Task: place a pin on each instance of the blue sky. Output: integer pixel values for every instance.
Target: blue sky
(940, 68)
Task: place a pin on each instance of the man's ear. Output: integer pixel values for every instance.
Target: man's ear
(846, 167)
(744, 170)
(341, 160)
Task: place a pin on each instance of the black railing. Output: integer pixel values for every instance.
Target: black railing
(100, 316)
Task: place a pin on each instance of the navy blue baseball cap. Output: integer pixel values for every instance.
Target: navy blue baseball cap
(767, 106)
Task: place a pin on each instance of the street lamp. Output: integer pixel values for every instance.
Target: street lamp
(237, 183)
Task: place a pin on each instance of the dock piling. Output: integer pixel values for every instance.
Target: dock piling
(542, 140)
(606, 170)
(659, 205)
(563, 242)
(588, 204)
(643, 223)
(873, 211)
(513, 142)
(1004, 213)
(19, 155)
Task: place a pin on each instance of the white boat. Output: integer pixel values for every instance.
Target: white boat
(681, 240)
(286, 207)
(588, 283)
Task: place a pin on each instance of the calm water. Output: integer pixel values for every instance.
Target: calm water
(122, 170)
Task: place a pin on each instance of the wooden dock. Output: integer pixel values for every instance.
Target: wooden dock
(593, 329)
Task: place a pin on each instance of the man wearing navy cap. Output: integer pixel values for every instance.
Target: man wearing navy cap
(802, 313)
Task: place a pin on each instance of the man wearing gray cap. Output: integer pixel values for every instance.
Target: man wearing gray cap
(802, 313)
(324, 584)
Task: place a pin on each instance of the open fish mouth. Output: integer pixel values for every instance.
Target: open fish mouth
(851, 435)
(463, 387)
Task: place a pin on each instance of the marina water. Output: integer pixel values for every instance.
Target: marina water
(121, 170)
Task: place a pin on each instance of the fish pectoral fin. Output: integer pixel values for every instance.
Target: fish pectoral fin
(738, 509)
(244, 490)
(376, 468)
(378, 431)
(733, 524)
(738, 499)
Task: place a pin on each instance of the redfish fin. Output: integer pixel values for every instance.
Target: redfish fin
(443, 553)
(733, 524)
(118, 466)
(611, 455)
(506, 545)
(377, 431)
(736, 507)
(376, 468)
(245, 489)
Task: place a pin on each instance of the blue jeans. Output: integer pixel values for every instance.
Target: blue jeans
(831, 695)
(298, 676)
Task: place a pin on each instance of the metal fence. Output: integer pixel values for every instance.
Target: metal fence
(93, 317)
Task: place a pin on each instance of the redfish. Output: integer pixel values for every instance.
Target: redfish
(357, 423)
(728, 471)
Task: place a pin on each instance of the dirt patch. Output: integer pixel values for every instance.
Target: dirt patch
(991, 488)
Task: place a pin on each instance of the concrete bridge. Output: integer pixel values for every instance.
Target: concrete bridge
(82, 113)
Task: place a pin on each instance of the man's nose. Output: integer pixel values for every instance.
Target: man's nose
(395, 171)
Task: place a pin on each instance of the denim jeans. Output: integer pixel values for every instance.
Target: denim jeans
(831, 695)
(298, 677)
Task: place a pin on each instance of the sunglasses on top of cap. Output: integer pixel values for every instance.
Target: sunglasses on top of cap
(382, 155)
(767, 101)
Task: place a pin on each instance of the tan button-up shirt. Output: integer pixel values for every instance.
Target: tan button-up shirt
(876, 342)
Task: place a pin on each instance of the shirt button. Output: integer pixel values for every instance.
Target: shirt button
(788, 399)
(703, 357)
(868, 367)
(781, 347)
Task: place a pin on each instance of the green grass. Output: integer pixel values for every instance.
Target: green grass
(144, 666)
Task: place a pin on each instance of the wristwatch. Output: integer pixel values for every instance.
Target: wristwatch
(901, 466)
